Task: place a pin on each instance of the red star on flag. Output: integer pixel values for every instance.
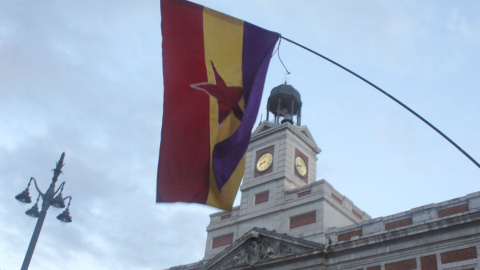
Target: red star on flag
(227, 97)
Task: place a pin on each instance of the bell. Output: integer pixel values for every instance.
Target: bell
(287, 118)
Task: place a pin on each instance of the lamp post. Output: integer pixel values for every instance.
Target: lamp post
(48, 198)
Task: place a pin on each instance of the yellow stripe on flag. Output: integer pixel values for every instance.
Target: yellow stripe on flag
(223, 43)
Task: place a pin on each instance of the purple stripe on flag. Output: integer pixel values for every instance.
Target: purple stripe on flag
(258, 45)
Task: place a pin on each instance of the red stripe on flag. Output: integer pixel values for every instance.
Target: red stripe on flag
(184, 161)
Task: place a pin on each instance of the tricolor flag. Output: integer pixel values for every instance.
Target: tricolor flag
(214, 69)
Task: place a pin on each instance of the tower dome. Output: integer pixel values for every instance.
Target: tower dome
(284, 101)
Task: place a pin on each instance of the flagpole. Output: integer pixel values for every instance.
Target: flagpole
(388, 95)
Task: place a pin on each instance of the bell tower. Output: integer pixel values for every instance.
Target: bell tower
(284, 101)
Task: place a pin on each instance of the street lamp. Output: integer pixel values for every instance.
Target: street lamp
(48, 198)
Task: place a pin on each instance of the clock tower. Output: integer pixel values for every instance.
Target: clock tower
(289, 147)
(279, 191)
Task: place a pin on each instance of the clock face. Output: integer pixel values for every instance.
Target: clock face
(264, 161)
(301, 166)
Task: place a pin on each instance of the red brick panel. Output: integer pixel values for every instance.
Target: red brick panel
(398, 223)
(453, 210)
(227, 216)
(402, 265)
(429, 262)
(257, 155)
(302, 220)
(304, 193)
(459, 255)
(223, 240)
(336, 198)
(357, 214)
(261, 197)
(349, 235)
(376, 267)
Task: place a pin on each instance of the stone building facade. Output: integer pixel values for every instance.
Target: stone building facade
(288, 220)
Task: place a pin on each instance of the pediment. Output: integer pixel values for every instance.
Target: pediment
(260, 247)
(264, 126)
(303, 130)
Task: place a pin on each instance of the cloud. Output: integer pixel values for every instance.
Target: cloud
(86, 78)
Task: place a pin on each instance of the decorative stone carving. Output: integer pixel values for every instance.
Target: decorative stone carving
(259, 249)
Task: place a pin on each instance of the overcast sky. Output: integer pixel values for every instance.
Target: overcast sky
(85, 77)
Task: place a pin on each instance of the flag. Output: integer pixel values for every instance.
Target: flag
(214, 69)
